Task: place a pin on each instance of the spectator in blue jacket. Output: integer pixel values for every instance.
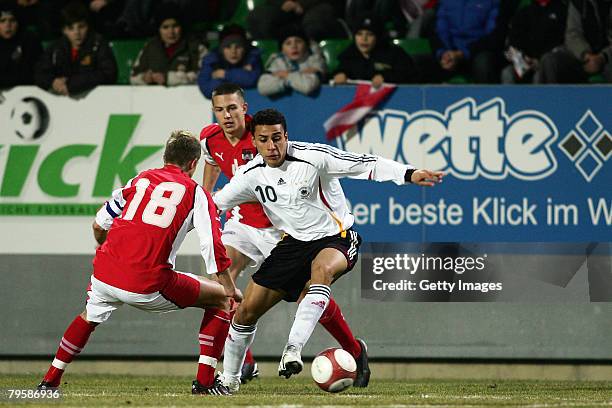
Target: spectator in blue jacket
(235, 60)
(470, 38)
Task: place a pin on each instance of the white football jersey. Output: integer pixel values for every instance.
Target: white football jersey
(303, 196)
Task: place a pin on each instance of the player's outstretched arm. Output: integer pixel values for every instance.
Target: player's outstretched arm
(426, 178)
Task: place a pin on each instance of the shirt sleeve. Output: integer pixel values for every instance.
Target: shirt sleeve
(237, 191)
(206, 154)
(339, 163)
(113, 207)
(208, 227)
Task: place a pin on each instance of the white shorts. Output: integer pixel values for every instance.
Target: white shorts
(103, 299)
(256, 243)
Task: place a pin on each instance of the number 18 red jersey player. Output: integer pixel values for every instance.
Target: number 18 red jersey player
(139, 231)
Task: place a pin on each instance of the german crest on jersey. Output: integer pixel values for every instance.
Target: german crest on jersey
(304, 191)
(247, 155)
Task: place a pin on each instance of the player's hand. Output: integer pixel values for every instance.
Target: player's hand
(426, 178)
(237, 297)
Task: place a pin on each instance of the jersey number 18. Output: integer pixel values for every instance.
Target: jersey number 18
(157, 200)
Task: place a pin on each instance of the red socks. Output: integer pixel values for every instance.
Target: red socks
(333, 321)
(75, 338)
(213, 332)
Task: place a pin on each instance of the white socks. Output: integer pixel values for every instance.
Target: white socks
(237, 342)
(308, 314)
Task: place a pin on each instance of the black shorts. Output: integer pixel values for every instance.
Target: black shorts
(287, 269)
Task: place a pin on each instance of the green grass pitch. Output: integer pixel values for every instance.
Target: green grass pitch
(162, 391)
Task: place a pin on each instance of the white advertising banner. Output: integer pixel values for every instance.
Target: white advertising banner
(60, 158)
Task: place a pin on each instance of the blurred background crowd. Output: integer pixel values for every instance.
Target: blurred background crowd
(280, 46)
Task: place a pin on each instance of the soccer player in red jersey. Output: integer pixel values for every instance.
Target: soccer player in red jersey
(248, 234)
(139, 231)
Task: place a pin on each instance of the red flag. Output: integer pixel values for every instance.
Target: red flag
(365, 100)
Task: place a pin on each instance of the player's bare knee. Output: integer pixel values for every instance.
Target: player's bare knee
(244, 316)
(322, 274)
(84, 317)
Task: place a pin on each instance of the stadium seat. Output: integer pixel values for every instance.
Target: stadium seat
(126, 52)
(414, 46)
(331, 48)
(267, 47)
(239, 16)
(459, 79)
(523, 3)
(597, 79)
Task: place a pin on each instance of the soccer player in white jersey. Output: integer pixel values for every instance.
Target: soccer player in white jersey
(139, 231)
(298, 187)
(248, 234)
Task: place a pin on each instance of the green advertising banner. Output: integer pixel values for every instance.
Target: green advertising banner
(60, 158)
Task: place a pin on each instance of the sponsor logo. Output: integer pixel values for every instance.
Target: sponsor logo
(320, 303)
(281, 182)
(219, 155)
(117, 159)
(588, 145)
(469, 140)
(304, 191)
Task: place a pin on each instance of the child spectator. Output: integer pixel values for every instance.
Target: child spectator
(235, 60)
(19, 49)
(169, 58)
(372, 57)
(80, 60)
(299, 65)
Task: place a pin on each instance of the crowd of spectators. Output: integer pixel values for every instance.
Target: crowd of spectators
(484, 41)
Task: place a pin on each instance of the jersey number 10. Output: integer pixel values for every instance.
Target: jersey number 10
(157, 200)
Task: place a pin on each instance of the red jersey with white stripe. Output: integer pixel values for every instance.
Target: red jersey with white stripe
(148, 220)
(218, 151)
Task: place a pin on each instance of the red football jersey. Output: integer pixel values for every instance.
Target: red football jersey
(148, 220)
(218, 151)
